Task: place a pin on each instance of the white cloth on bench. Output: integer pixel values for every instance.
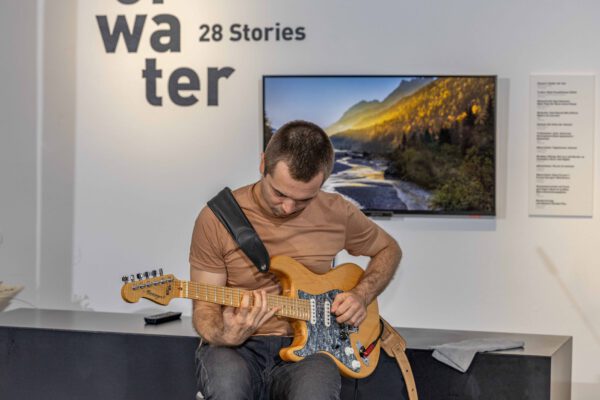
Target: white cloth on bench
(459, 355)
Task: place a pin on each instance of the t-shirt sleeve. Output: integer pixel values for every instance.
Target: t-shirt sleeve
(363, 236)
(206, 249)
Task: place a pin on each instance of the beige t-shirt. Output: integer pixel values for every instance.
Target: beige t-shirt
(313, 237)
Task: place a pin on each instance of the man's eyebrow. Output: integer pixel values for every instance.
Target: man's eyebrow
(280, 193)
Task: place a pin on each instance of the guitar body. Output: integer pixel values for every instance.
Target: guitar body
(322, 334)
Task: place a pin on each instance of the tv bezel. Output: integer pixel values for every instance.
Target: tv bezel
(389, 213)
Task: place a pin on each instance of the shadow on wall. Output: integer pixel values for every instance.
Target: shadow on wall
(502, 117)
(57, 180)
(565, 289)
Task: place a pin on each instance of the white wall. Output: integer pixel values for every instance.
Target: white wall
(18, 145)
(139, 174)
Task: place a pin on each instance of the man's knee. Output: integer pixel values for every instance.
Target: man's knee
(222, 374)
(322, 377)
(315, 377)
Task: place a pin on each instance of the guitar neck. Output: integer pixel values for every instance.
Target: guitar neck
(287, 307)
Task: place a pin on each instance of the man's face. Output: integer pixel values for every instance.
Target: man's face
(286, 196)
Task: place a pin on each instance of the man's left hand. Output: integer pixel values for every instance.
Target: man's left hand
(350, 308)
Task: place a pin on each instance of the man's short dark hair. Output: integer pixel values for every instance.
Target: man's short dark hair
(304, 147)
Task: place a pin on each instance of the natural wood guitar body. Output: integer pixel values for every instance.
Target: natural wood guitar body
(294, 277)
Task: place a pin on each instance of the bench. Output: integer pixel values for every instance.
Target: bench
(58, 354)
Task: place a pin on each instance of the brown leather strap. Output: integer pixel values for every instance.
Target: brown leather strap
(395, 346)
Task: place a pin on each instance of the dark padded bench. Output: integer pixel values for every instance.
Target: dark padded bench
(55, 354)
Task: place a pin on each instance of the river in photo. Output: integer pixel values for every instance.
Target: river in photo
(362, 182)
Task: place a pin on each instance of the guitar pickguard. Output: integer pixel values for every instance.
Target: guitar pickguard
(325, 334)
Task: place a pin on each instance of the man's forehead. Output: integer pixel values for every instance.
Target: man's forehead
(282, 170)
(282, 181)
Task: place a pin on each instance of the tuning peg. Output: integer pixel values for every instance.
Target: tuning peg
(160, 271)
(154, 273)
(146, 274)
(131, 278)
(139, 276)
(125, 278)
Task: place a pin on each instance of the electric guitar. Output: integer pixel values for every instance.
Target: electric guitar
(306, 300)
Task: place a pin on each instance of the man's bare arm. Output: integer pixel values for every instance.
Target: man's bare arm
(379, 272)
(226, 326)
(351, 307)
(207, 317)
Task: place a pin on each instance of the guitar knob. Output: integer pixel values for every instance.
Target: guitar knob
(349, 351)
(132, 278)
(355, 365)
(160, 271)
(154, 273)
(125, 278)
(139, 276)
(146, 275)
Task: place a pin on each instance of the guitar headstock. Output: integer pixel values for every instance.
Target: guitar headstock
(159, 289)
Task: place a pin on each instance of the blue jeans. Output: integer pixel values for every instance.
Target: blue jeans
(254, 371)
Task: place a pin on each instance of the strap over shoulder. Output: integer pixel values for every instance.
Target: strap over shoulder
(228, 211)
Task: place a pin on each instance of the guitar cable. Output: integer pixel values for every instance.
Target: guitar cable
(364, 352)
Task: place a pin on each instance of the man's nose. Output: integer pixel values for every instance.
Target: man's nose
(288, 206)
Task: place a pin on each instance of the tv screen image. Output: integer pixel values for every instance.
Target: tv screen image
(403, 144)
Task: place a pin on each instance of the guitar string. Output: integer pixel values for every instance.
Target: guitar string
(289, 306)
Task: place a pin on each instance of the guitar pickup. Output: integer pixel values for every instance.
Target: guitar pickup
(327, 313)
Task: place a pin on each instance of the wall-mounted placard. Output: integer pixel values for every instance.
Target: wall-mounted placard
(561, 145)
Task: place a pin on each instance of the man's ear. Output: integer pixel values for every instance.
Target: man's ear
(262, 164)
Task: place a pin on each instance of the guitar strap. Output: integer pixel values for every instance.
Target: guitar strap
(233, 218)
(230, 214)
(395, 346)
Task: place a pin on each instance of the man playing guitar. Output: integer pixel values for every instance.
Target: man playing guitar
(239, 353)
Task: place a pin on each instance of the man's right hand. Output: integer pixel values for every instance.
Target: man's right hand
(240, 323)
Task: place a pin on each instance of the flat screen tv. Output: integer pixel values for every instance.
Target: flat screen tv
(403, 144)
